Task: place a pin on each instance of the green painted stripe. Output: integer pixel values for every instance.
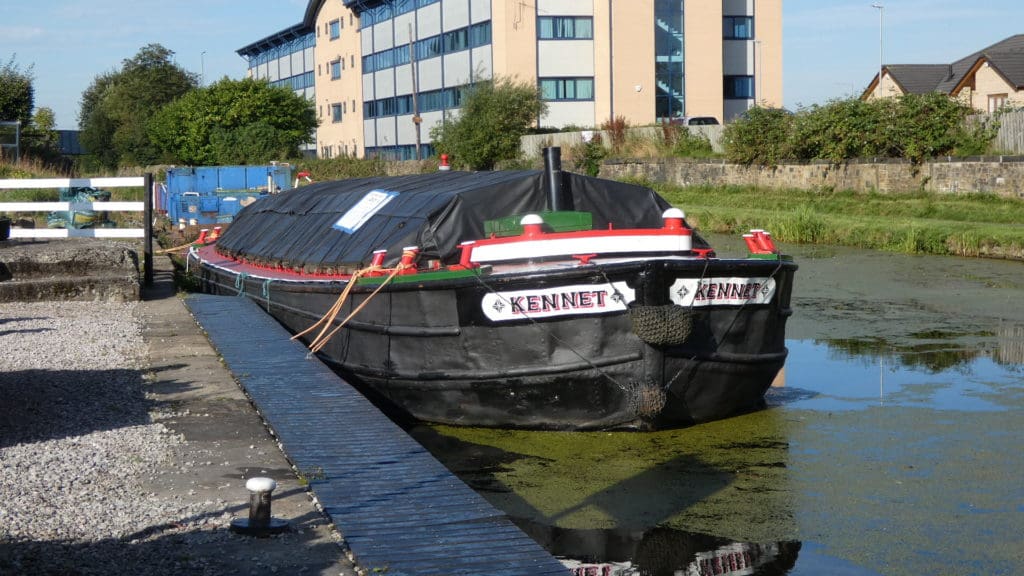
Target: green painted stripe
(426, 276)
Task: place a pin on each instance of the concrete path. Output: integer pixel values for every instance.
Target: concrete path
(226, 444)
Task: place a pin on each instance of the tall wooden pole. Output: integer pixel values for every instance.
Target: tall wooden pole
(415, 92)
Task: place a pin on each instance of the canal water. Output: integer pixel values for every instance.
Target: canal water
(893, 445)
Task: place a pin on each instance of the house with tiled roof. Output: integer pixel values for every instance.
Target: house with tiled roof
(987, 80)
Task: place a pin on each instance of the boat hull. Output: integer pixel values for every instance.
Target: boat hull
(552, 349)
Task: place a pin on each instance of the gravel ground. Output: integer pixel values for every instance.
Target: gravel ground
(79, 443)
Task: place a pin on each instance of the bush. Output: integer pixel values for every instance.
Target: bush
(587, 156)
(840, 130)
(691, 144)
(343, 167)
(914, 127)
(494, 115)
(762, 137)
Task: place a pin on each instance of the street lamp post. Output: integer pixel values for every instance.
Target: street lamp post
(881, 20)
(202, 68)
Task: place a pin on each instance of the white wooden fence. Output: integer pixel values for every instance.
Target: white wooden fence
(146, 207)
(42, 183)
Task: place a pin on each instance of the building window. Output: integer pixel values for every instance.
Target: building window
(738, 27)
(456, 40)
(480, 34)
(335, 112)
(995, 102)
(335, 29)
(739, 87)
(389, 10)
(565, 28)
(447, 43)
(429, 101)
(336, 70)
(567, 88)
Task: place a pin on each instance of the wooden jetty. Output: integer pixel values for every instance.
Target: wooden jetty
(398, 508)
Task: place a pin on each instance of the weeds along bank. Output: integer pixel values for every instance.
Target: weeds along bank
(981, 217)
(1001, 176)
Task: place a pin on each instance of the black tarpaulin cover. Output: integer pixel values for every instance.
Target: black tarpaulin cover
(340, 224)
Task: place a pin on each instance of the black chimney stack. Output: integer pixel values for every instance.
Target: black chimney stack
(559, 196)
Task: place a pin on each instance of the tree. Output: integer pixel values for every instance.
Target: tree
(17, 95)
(234, 122)
(41, 139)
(495, 114)
(117, 107)
(97, 129)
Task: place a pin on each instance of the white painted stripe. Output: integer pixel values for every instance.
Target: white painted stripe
(722, 291)
(37, 183)
(77, 233)
(544, 248)
(558, 301)
(78, 206)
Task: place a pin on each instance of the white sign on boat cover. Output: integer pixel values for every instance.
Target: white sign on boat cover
(369, 205)
(560, 301)
(722, 291)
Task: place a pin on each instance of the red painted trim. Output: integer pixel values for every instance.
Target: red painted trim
(618, 233)
(208, 253)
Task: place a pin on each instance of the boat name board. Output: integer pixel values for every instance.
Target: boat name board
(722, 291)
(560, 301)
(368, 205)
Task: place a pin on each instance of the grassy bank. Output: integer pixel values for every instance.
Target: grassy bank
(966, 225)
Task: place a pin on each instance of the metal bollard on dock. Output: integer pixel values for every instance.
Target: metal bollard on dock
(260, 522)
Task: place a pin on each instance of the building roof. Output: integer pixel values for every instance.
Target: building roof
(918, 78)
(1005, 56)
(1008, 52)
(274, 40)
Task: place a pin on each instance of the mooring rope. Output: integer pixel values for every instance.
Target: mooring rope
(240, 283)
(265, 290)
(593, 366)
(326, 332)
(744, 305)
(175, 249)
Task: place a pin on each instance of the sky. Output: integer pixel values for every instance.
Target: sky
(830, 47)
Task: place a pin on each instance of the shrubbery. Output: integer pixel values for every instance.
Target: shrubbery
(914, 127)
(493, 117)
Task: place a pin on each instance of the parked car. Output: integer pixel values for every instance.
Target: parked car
(695, 121)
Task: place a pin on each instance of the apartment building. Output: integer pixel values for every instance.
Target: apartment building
(386, 71)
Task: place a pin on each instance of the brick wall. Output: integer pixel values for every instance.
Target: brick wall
(1003, 176)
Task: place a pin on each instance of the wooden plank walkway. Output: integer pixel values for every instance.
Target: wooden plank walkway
(396, 505)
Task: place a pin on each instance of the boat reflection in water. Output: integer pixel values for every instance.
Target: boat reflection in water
(619, 503)
(660, 552)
